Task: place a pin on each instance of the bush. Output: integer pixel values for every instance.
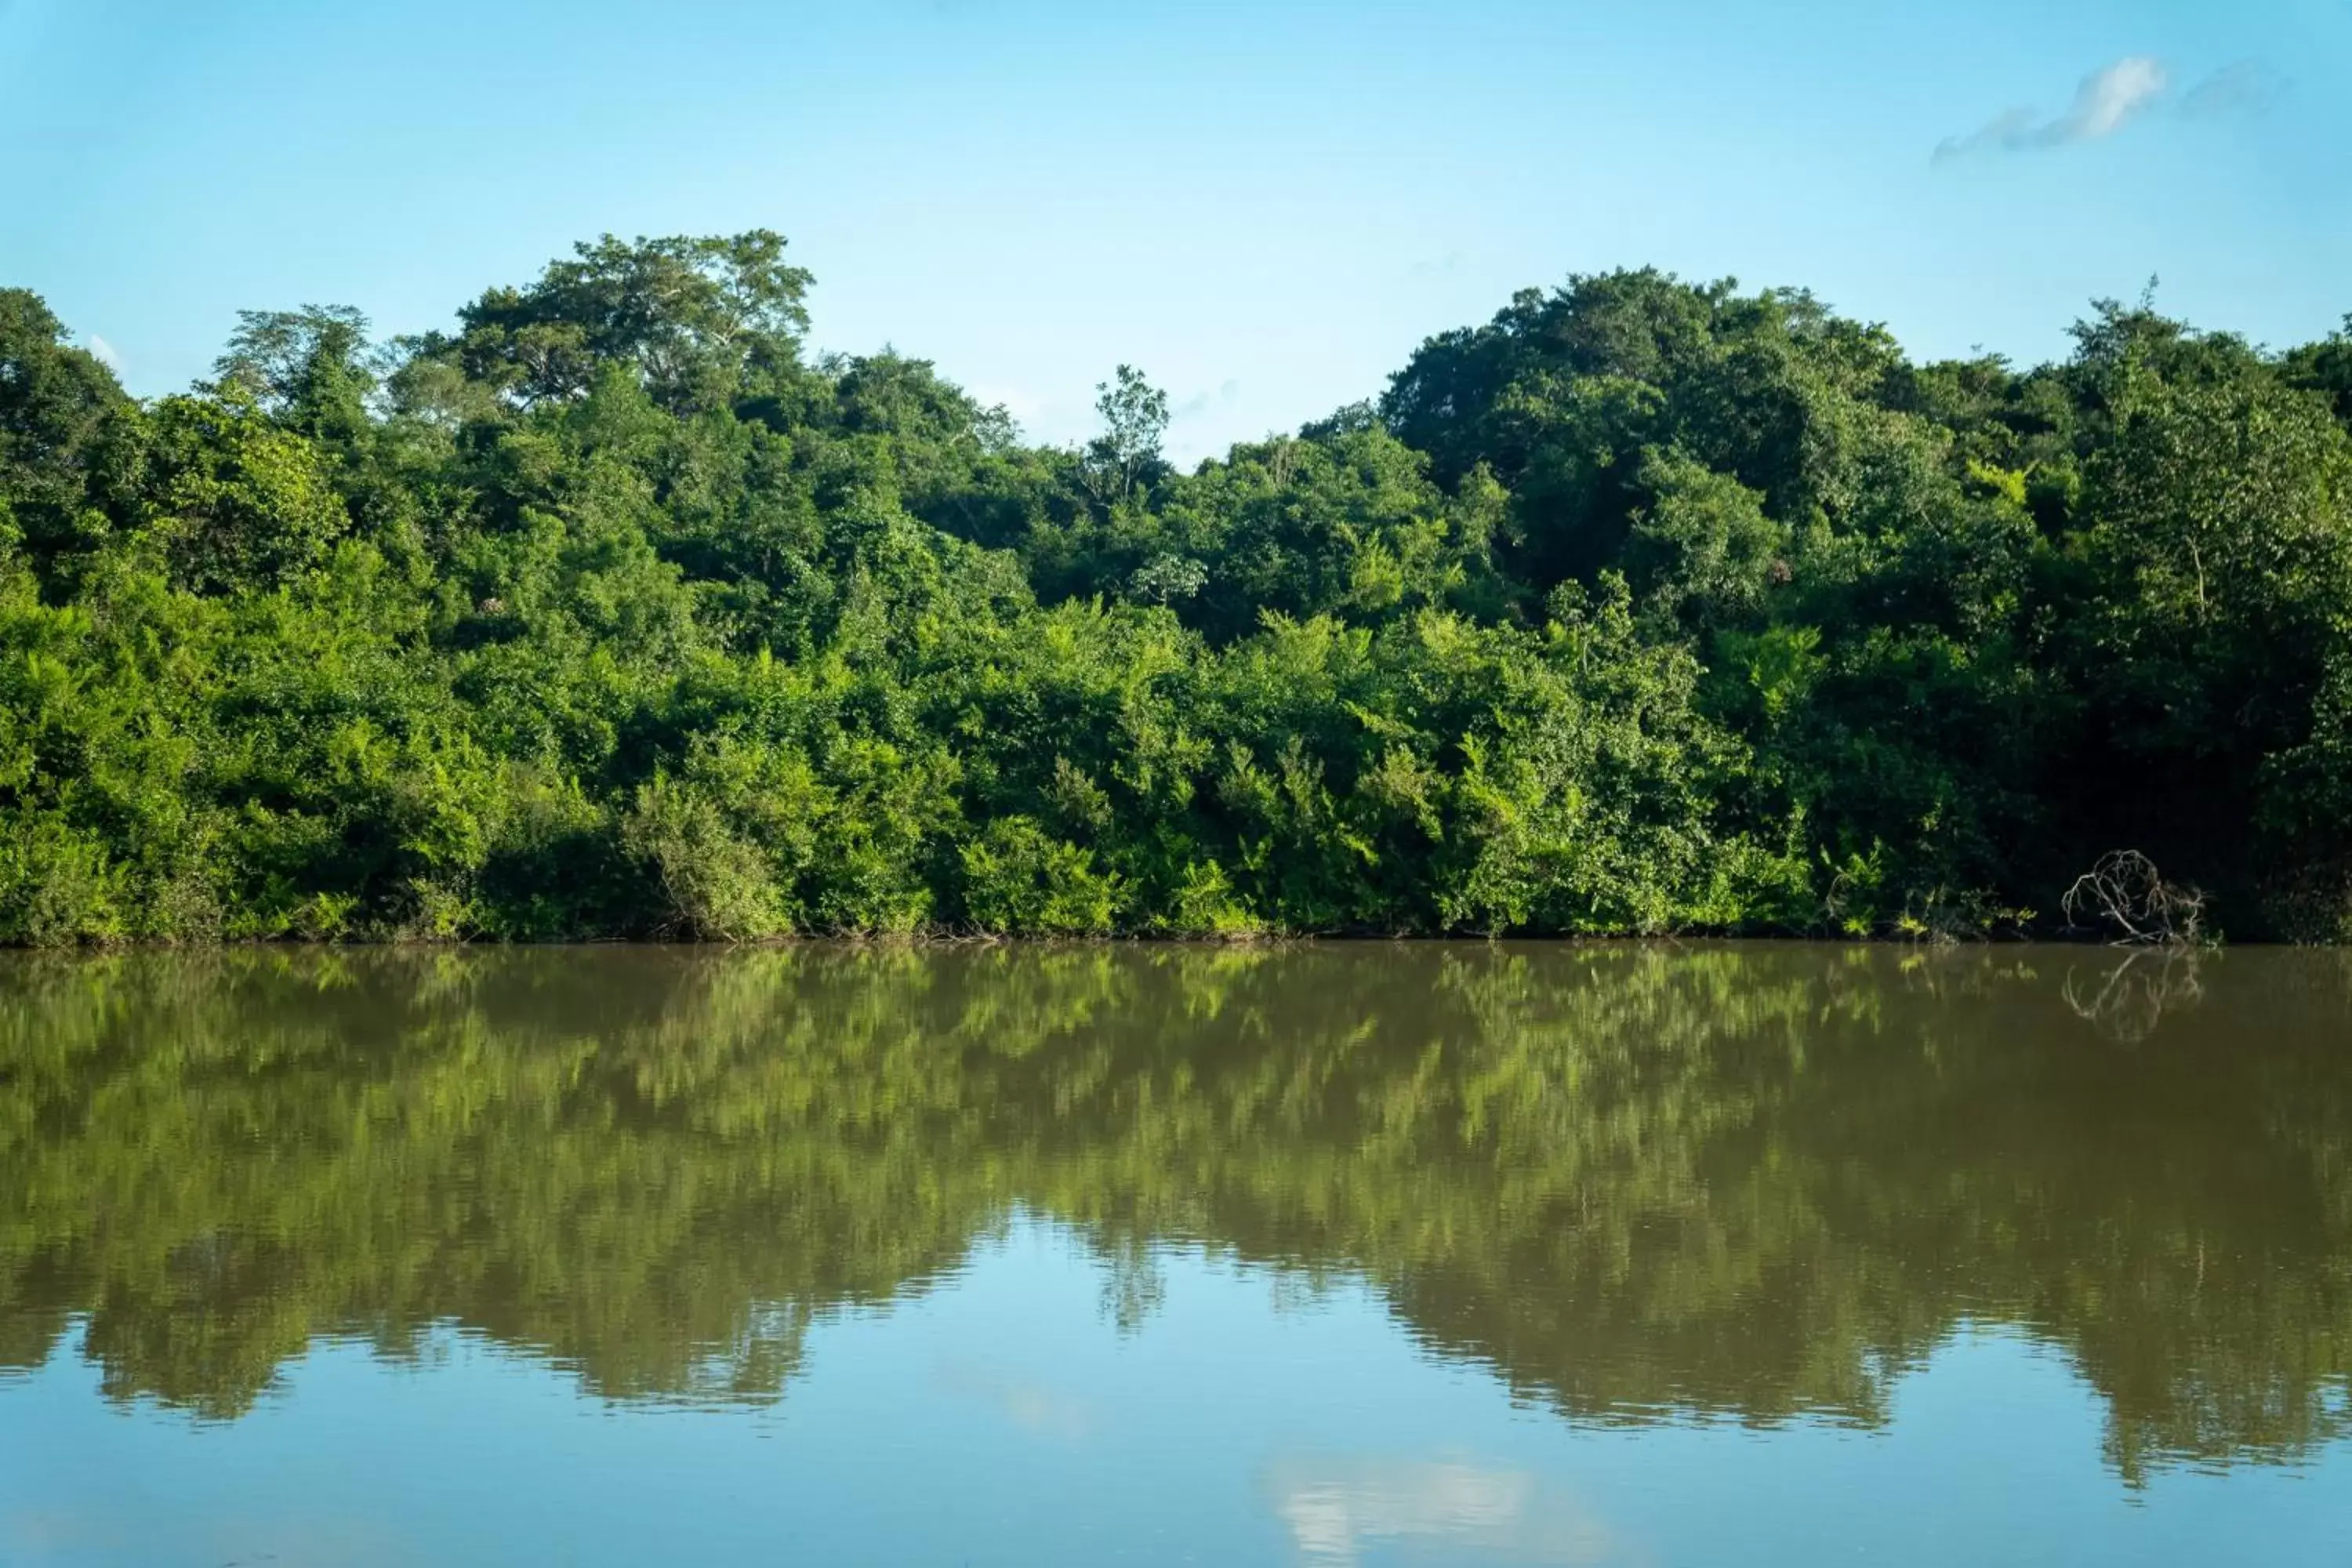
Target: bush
(1019, 881)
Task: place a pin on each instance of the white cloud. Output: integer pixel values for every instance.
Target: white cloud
(103, 352)
(2109, 99)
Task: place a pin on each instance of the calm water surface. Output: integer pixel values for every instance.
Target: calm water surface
(1334, 1254)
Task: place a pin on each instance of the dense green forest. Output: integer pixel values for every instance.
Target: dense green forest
(1645, 607)
(1633, 1180)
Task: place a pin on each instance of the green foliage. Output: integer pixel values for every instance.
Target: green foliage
(699, 321)
(1644, 608)
(71, 443)
(239, 502)
(1019, 880)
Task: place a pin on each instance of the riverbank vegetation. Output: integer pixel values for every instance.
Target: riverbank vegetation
(1645, 607)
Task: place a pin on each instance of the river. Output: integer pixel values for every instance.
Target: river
(1328, 1254)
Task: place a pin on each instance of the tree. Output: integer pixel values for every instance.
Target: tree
(308, 369)
(701, 322)
(1127, 454)
(71, 443)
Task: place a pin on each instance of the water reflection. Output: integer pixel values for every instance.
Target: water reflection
(2125, 993)
(1339, 1509)
(1635, 1183)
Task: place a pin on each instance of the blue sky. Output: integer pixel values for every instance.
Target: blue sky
(1264, 206)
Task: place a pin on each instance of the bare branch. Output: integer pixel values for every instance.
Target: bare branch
(2124, 895)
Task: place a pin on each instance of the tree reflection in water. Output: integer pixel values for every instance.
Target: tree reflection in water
(1635, 1183)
